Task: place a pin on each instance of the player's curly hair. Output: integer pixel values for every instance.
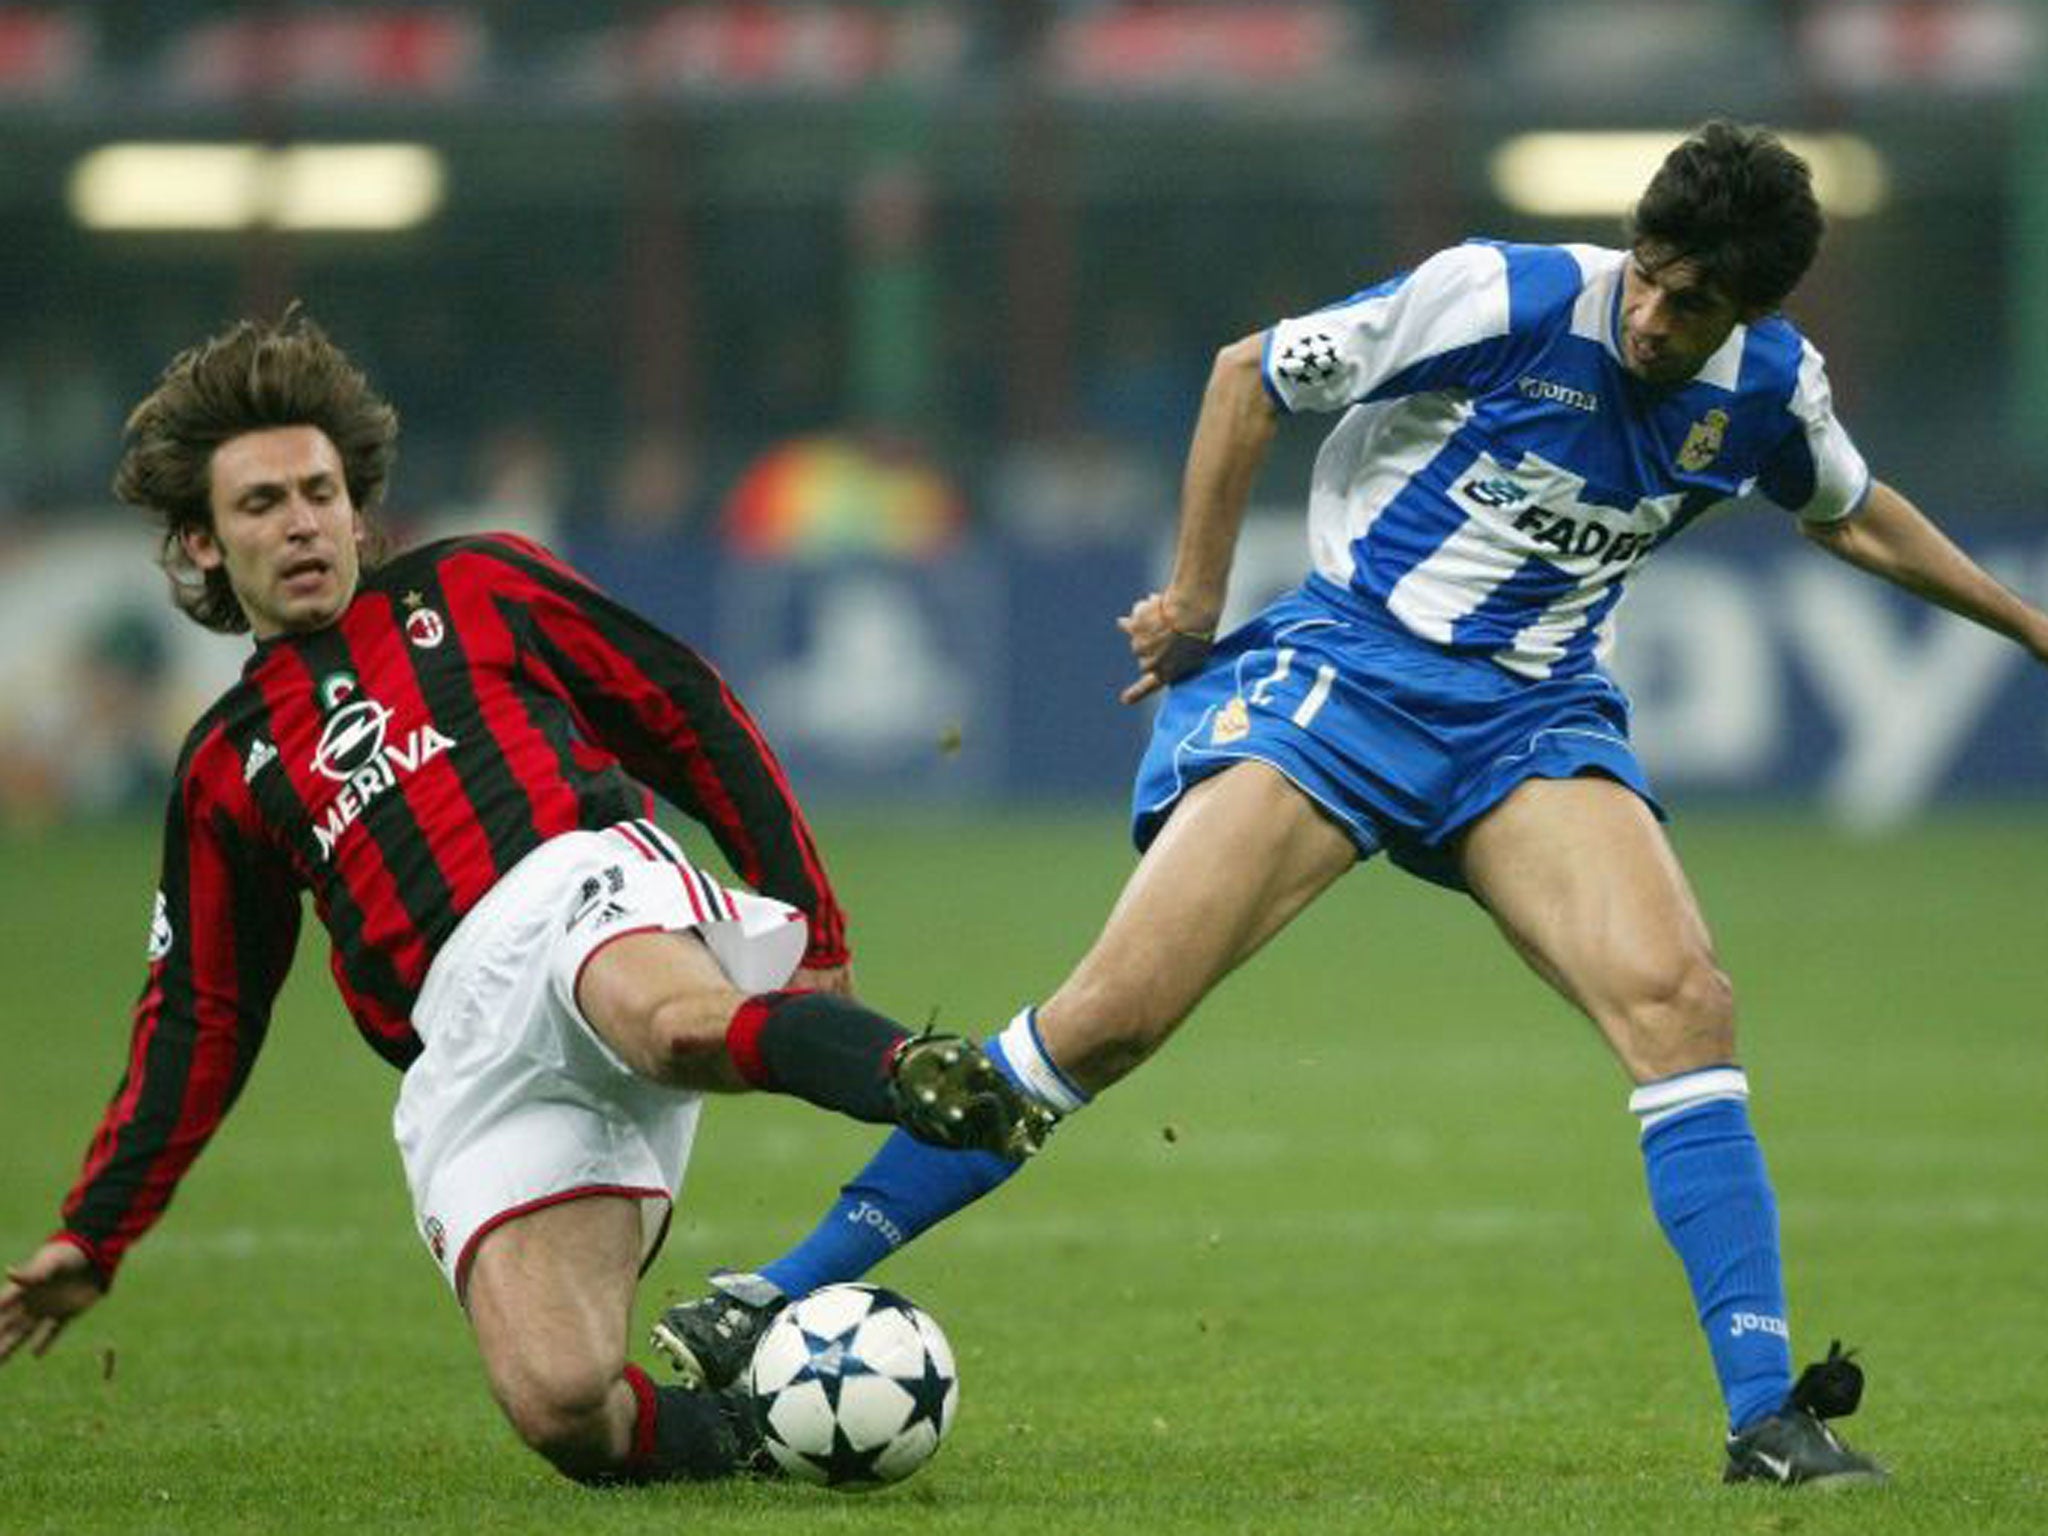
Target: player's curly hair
(1739, 203)
(252, 376)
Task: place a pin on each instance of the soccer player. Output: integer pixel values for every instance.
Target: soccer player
(448, 749)
(1519, 427)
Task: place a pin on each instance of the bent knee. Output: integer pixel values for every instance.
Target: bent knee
(686, 1034)
(1675, 1017)
(565, 1419)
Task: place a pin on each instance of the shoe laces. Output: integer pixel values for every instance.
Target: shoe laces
(1830, 1388)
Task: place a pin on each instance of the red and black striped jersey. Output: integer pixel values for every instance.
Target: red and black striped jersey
(476, 698)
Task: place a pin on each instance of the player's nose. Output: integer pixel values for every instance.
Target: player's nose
(301, 520)
(1652, 316)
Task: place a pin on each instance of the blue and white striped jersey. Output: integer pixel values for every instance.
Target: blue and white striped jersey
(1497, 471)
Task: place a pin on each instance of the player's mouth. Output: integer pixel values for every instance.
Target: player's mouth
(304, 574)
(1648, 359)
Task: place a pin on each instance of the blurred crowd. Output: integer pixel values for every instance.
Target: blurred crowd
(840, 275)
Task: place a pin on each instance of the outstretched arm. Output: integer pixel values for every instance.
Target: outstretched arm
(42, 1295)
(1892, 538)
(1169, 630)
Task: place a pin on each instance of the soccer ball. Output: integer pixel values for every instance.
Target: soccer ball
(854, 1387)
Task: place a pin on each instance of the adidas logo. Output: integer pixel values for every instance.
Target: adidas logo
(261, 755)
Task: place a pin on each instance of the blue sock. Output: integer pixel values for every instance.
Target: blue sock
(1713, 1198)
(909, 1186)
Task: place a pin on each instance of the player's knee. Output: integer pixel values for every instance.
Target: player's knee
(685, 1038)
(1679, 1015)
(564, 1418)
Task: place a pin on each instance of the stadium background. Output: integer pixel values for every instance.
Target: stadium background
(859, 343)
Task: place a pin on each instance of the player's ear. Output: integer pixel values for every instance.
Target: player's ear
(201, 547)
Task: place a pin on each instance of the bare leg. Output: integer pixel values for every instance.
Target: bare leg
(663, 1003)
(1580, 878)
(1240, 857)
(550, 1298)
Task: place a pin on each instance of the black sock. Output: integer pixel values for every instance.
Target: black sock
(820, 1047)
(678, 1434)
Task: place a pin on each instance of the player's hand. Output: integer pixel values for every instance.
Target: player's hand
(835, 979)
(1166, 642)
(42, 1295)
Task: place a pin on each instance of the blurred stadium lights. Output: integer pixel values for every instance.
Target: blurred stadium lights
(1583, 175)
(309, 187)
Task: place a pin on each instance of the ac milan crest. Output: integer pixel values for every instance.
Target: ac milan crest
(423, 627)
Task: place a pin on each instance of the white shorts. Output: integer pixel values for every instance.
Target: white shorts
(516, 1103)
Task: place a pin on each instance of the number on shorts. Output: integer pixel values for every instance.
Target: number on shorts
(1262, 691)
(1318, 693)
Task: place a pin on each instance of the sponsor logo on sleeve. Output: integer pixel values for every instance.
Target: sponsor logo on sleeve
(160, 930)
(262, 754)
(1309, 360)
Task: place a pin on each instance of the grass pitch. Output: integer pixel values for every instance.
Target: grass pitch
(1365, 1249)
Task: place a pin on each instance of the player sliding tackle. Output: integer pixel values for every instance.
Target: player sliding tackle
(452, 751)
(1519, 427)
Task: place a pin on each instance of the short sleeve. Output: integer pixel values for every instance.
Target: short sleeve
(1332, 358)
(1816, 471)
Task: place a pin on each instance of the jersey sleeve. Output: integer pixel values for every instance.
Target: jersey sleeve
(1426, 329)
(669, 717)
(1816, 470)
(220, 945)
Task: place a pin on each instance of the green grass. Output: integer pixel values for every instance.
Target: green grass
(1366, 1250)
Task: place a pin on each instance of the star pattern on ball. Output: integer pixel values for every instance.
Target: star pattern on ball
(831, 1361)
(853, 1391)
(927, 1396)
(847, 1464)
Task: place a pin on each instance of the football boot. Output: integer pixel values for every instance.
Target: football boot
(1794, 1446)
(711, 1340)
(947, 1092)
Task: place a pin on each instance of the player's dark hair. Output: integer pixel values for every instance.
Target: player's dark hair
(250, 377)
(1740, 204)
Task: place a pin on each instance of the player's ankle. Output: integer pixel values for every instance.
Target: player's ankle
(1020, 1050)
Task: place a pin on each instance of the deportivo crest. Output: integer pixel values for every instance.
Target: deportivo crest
(1233, 723)
(1703, 442)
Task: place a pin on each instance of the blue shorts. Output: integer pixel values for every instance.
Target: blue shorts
(1402, 743)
